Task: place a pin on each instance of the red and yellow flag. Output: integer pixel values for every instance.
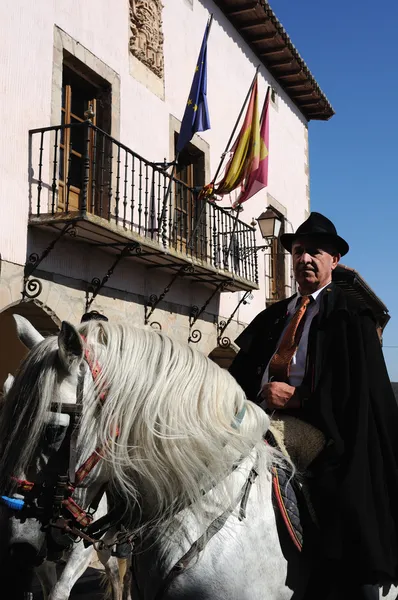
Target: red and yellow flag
(244, 152)
(257, 179)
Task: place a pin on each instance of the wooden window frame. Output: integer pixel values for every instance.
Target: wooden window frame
(68, 117)
(186, 214)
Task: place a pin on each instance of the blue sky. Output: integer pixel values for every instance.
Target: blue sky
(351, 48)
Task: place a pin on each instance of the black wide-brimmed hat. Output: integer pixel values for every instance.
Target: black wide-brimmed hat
(316, 226)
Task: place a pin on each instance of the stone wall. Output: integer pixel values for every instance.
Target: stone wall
(64, 297)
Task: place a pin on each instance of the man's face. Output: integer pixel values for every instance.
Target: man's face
(313, 263)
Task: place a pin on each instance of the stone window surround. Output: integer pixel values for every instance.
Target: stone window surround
(197, 141)
(281, 209)
(64, 43)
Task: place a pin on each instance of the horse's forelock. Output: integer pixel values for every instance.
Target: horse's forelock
(23, 413)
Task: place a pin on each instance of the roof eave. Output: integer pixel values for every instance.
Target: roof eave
(258, 25)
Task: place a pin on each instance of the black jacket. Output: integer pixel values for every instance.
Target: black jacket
(347, 394)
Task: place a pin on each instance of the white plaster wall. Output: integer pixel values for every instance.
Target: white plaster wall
(102, 26)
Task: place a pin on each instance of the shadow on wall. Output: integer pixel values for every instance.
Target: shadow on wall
(12, 351)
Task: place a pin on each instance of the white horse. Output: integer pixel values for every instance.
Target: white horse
(77, 558)
(183, 448)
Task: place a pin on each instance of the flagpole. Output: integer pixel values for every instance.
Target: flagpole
(265, 103)
(162, 220)
(198, 221)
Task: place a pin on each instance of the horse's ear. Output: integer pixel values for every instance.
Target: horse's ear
(70, 346)
(8, 384)
(28, 335)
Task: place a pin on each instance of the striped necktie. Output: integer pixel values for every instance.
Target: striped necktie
(279, 367)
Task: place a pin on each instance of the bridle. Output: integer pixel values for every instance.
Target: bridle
(50, 500)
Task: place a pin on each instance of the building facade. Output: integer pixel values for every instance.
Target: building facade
(92, 98)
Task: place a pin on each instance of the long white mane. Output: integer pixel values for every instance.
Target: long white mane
(173, 407)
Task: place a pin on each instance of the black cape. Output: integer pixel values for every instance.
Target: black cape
(347, 394)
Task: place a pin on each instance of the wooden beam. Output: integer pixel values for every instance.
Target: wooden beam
(309, 104)
(301, 94)
(319, 116)
(292, 86)
(250, 25)
(293, 73)
(265, 37)
(242, 9)
(272, 51)
(281, 63)
(316, 110)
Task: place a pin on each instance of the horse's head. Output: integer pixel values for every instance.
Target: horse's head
(39, 420)
(165, 419)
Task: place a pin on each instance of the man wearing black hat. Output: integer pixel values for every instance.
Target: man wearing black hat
(317, 355)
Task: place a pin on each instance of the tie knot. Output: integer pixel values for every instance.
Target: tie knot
(305, 300)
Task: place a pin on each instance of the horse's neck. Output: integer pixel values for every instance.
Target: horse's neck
(233, 559)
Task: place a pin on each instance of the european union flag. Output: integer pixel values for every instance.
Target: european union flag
(196, 116)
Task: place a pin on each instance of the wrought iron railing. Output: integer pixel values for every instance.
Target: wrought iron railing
(80, 169)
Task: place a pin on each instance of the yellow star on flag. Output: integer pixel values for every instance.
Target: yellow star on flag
(195, 107)
(189, 102)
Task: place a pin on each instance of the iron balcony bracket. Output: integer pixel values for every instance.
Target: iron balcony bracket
(154, 300)
(195, 335)
(225, 342)
(32, 288)
(97, 284)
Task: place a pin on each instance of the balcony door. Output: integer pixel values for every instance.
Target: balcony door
(189, 234)
(78, 96)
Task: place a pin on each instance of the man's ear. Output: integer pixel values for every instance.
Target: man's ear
(335, 260)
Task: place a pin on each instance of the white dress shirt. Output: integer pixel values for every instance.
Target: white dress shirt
(297, 366)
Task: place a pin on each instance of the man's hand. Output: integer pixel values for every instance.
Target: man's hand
(279, 395)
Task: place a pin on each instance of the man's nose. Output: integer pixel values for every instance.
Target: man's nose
(305, 258)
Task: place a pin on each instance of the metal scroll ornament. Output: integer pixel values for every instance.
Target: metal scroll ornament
(154, 299)
(32, 287)
(224, 342)
(195, 336)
